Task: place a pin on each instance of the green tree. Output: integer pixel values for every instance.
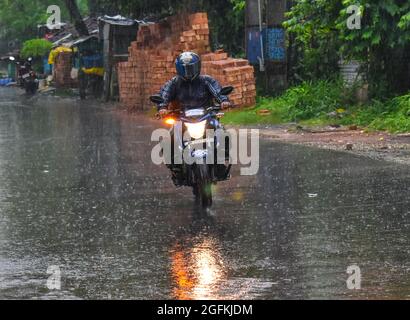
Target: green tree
(19, 18)
(226, 16)
(381, 44)
(316, 43)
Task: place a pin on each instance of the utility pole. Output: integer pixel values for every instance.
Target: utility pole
(251, 19)
(253, 33)
(254, 43)
(267, 49)
(276, 64)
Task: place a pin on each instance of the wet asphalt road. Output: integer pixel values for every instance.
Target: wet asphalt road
(78, 190)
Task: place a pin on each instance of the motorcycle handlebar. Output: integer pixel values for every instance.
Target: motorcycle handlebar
(214, 108)
(158, 116)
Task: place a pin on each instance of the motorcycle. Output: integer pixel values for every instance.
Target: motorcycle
(31, 82)
(27, 78)
(199, 173)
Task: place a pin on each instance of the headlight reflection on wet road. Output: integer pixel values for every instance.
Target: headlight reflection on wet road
(198, 271)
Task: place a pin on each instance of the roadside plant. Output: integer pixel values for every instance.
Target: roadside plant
(36, 48)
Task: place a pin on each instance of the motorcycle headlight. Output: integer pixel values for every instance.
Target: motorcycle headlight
(196, 130)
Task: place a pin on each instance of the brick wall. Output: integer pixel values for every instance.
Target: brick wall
(62, 71)
(152, 57)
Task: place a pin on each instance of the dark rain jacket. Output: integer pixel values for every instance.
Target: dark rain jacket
(198, 93)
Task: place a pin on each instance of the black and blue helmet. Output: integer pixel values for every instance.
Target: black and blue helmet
(188, 65)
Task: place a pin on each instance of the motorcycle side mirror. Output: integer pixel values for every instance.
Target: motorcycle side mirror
(157, 99)
(225, 91)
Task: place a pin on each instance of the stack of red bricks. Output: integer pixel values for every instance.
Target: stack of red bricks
(62, 71)
(234, 72)
(152, 57)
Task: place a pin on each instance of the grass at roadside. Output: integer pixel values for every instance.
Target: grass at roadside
(252, 115)
(323, 103)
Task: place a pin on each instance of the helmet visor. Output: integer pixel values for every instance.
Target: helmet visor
(192, 70)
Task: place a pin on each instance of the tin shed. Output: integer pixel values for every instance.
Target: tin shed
(117, 34)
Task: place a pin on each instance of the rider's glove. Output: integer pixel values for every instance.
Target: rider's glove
(226, 105)
(162, 112)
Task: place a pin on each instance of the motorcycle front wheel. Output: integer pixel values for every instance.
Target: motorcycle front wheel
(203, 186)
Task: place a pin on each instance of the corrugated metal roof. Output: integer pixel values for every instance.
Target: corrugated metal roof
(83, 39)
(118, 20)
(122, 21)
(69, 32)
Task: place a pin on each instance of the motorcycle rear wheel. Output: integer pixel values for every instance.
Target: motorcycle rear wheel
(30, 88)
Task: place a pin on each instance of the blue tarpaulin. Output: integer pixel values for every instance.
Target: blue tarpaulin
(48, 68)
(275, 44)
(94, 61)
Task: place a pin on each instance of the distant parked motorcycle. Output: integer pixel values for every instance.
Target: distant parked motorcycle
(27, 78)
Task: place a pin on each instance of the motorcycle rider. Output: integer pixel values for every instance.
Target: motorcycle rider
(189, 89)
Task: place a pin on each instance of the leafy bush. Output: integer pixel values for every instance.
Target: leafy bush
(306, 101)
(314, 99)
(35, 48)
(396, 117)
(312, 102)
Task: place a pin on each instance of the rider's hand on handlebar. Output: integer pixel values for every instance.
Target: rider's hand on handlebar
(163, 112)
(226, 105)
